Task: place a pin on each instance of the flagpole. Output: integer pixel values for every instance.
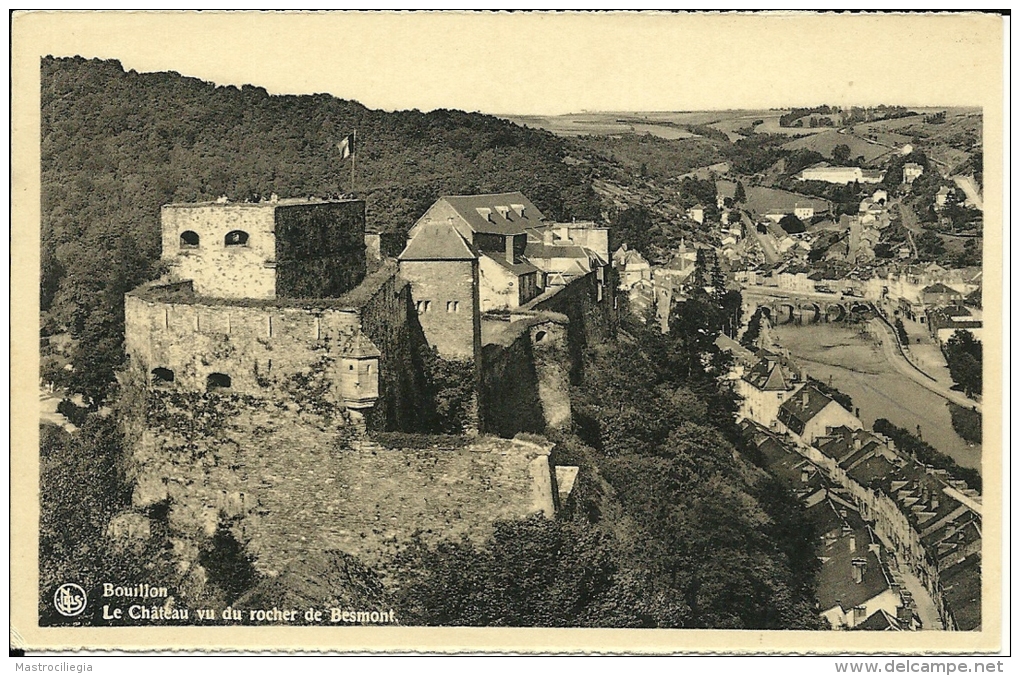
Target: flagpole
(354, 148)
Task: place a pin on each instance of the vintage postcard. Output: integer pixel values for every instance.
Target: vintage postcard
(632, 332)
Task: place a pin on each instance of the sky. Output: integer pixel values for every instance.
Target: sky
(552, 63)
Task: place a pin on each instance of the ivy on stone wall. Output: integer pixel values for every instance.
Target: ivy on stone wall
(450, 390)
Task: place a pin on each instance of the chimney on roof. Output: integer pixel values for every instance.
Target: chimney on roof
(905, 615)
(858, 568)
(857, 443)
(804, 398)
(804, 475)
(853, 543)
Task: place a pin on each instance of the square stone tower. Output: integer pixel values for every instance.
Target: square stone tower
(291, 248)
(442, 268)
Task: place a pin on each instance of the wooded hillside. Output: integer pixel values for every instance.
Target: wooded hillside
(117, 145)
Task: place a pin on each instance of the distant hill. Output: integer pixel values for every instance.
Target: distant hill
(117, 145)
(825, 141)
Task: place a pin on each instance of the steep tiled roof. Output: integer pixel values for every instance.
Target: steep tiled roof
(542, 250)
(848, 447)
(768, 375)
(727, 344)
(961, 587)
(836, 584)
(438, 241)
(880, 621)
(497, 213)
(803, 412)
(939, 287)
(515, 268)
(875, 467)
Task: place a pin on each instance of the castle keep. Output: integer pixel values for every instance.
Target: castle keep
(268, 372)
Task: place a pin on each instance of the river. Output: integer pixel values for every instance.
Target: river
(854, 364)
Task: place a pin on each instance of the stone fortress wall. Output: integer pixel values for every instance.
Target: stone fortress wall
(255, 411)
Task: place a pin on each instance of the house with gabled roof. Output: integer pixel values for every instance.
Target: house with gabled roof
(939, 294)
(495, 225)
(765, 387)
(632, 266)
(853, 582)
(810, 414)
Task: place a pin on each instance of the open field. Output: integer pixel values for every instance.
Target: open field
(824, 143)
(856, 366)
(664, 124)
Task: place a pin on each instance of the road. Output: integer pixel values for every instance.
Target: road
(771, 255)
(925, 606)
(969, 186)
(909, 220)
(892, 353)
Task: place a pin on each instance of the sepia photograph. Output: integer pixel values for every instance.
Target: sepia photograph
(356, 330)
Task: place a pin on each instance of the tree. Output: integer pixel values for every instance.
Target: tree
(791, 224)
(930, 246)
(82, 488)
(740, 195)
(901, 332)
(964, 357)
(531, 573)
(633, 227)
(841, 154)
(753, 328)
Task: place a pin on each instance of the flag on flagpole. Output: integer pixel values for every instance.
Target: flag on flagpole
(346, 147)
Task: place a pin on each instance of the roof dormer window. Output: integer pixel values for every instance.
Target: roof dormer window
(519, 208)
(485, 213)
(503, 211)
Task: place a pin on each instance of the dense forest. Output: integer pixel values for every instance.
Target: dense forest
(117, 145)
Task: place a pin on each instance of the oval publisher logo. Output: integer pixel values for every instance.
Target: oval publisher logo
(70, 599)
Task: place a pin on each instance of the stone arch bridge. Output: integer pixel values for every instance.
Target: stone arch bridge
(810, 308)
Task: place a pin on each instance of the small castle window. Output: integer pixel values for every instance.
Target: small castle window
(236, 238)
(189, 239)
(539, 336)
(423, 306)
(453, 306)
(217, 381)
(162, 376)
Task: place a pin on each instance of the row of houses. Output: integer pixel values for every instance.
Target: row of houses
(655, 288)
(930, 521)
(857, 587)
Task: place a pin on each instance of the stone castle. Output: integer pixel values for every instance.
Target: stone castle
(276, 386)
